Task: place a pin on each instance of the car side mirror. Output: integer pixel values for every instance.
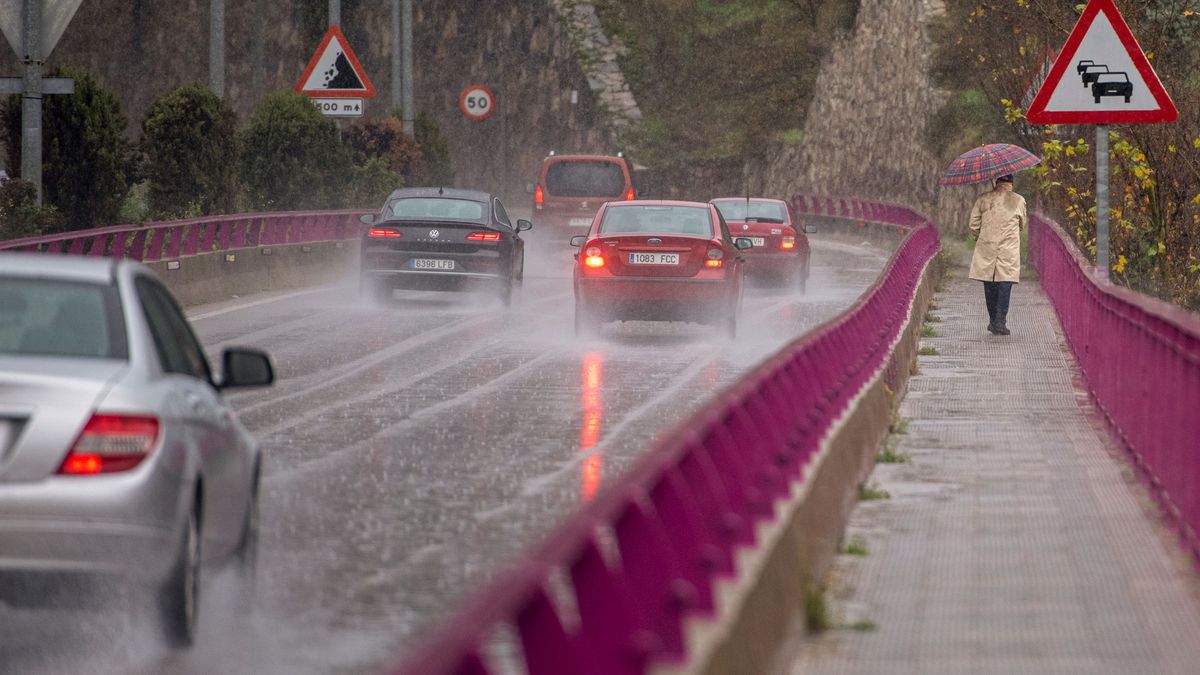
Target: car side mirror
(742, 243)
(578, 240)
(529, 188)
(245, 368)
(367, 218)
(523, 225)
(809, 228)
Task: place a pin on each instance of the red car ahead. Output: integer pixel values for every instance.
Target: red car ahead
(658, 261)
(781, 252)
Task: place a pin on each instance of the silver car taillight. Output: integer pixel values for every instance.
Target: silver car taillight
(110, 443)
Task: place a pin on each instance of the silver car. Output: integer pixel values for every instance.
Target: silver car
(119, 456)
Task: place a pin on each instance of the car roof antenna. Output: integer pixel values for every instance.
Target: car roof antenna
(441, 191)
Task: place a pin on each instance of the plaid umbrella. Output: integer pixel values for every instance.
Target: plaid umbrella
(987, 162)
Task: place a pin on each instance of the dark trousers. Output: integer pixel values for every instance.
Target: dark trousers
(997, 294)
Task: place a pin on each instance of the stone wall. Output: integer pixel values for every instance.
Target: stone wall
(867, 127)
(521, 50)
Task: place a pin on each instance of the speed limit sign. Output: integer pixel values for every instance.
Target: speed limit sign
(477, 102)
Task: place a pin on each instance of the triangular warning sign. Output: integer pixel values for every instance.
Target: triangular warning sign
(334, 70)
(1101, 76)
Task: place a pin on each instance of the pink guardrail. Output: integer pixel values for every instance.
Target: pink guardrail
(609, 589)
(1141, 361)
(179, 238)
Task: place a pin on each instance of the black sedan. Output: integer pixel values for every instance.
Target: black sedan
(441, 239)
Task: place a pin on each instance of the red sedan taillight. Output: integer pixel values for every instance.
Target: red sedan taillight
(788, 243)
(539, 196)
(383, 233)
(715, 258)
(593, 257)
(110, 443)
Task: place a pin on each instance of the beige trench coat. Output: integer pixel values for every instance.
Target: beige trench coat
(996, 221)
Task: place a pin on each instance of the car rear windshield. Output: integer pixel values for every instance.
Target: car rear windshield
(763, 212)
(437, 208)
(43, 317)
(657, 220)
(1113, 77)
(585, 179)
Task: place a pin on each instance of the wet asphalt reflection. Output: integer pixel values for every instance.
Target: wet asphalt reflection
(415, 448)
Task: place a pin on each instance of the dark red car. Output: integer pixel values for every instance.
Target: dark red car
(570, 189)
(658, 261)
(781, 252)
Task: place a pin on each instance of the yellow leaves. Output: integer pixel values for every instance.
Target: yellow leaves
(1149, 56)
(1196, 143)
(1012, 113)
(1120, 264)
(1172, 149)
(1021, 50)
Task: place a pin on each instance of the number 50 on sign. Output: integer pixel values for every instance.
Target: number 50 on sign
(477, 102)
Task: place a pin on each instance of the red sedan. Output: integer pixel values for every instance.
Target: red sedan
(658, 261)
(781, 252)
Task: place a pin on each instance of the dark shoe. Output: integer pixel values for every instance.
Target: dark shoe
(992, 329)
(1002, 330)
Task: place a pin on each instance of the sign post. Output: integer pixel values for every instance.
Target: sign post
(33, 32)
(1119, 86)
(334, 79)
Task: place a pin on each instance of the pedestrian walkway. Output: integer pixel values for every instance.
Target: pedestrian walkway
(1015, 539)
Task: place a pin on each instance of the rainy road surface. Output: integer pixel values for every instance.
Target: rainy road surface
(411, 450)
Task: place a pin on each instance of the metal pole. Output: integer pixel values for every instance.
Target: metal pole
(216, 47)
(1102, 202)
(31, 100)
(335, 12)
(396, 47)
(406, 88)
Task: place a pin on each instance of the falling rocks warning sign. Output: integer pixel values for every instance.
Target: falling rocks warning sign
(334, 71)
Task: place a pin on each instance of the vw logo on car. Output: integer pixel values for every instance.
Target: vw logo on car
(434, 234)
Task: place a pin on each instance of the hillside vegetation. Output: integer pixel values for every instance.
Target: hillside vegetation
(988, 53)
(721, 79)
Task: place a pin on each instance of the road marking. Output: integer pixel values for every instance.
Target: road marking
(254, 303)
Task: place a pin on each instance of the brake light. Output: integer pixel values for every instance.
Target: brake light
(483, 236)
(788, 243)
(593, 257)
(383, 233)
(538, 196)
(629, 196)
(110, 443)
(714, 263)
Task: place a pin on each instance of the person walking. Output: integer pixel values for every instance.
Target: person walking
(996, 221)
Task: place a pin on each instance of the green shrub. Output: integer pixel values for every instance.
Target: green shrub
(291, 157)
(20, 216)
(386, 140)
(188, 137)
(86, 160)
(372, 183)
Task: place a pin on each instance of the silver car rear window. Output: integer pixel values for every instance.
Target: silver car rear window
(657, 220)
(47, 317)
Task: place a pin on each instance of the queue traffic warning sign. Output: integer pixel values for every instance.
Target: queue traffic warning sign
(1101, 76)
(334, 71)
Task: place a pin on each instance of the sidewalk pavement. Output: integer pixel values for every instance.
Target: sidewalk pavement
(1016, 539)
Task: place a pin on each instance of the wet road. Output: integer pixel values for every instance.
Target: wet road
(411, 450)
